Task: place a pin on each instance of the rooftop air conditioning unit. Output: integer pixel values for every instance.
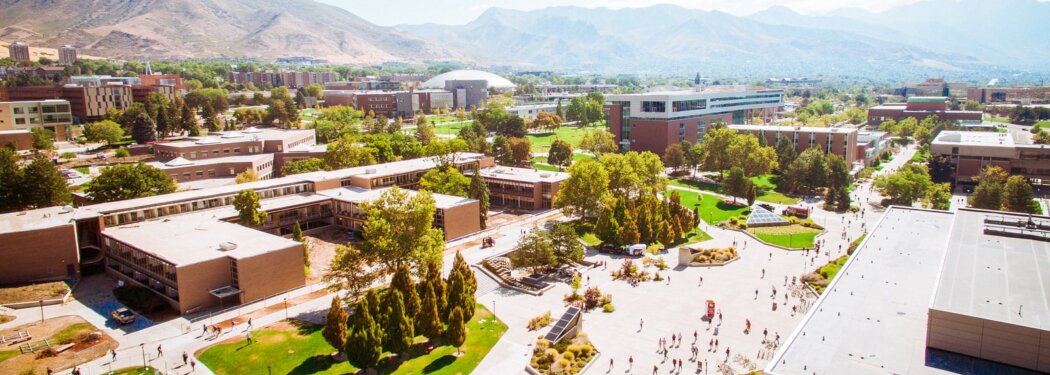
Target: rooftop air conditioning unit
(227, 246)
(370, 171)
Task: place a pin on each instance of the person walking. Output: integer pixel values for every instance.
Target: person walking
(159, 351)
(193, 365)
(610, 364)
(249, 323)
(113, 353)
(249, 337)
(630, 362)
(185, 357)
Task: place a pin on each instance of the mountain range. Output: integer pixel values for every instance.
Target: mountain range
(949, 36)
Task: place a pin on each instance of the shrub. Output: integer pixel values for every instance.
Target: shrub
(567, 356)
(606, 299)
(657, 277)
(792, 220)
(68, 155)
(732, 221)
(661, 264)
(742, 225)
(592, 298)
(608, 307)
(121, 153)
(539, 322)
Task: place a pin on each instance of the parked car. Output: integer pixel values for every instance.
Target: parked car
(767, 206)
(608, 248)
(123, 315)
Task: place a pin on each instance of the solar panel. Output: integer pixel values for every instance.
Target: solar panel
(556, 332)
(761, 216)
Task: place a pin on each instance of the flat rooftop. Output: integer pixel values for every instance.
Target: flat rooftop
(522, 174)
(182, 196)
(704, 91)
(974, 138)
(358, 195)
(181, 162)
(810, 129)
(40, 218)
(190, 239)
(872, 317)
(993, 277)
(247, 135)
(386, 169)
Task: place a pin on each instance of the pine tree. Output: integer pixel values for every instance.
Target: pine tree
(454, 292)
(375, 307)
(470, 280)
(297, 232)
(606, 227)
(402, 282)
(629, 230)
(397, 332)
(433, 277)
(334, 330)
(666, 235)
(364, 346)
(428, 322)
(162, 118)
(456, 333)
(480, 191)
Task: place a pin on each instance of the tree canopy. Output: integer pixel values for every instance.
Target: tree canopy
(127, 181)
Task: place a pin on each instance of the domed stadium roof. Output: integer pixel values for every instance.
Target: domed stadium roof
(494, 81)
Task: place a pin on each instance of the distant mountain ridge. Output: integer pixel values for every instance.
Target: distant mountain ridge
(928, 37)
(211, 28)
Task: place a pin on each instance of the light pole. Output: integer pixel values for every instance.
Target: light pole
(41, 311)
(142, 347)
(286, 307)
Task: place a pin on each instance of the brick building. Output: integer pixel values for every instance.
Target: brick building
(920, 107)
(51, 114)
(54, 252)
(971, 152)
(840, 141)
(652, 121)
(18, 51)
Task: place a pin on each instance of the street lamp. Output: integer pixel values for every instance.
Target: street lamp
(286, 307)
(41, 311)
(142, 346)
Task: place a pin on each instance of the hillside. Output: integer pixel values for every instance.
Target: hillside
(210, 28)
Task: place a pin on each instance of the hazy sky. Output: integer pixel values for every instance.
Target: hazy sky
(392, 12)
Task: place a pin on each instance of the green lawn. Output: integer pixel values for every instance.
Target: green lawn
(83, 170)
(921, 156)
(586, 232)
(1042, 124)
(451, 128)
(304, 351)
(542, 142)
(544, 167)
(137, 370)
(764, 183)
(1003, 120)
(712, 209)
(66, 335)
(8, 354)
(790, 236)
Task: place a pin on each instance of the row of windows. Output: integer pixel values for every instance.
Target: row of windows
(128, 217)
(688, 105)
(759, 96)
(742, 104)
(654, 107)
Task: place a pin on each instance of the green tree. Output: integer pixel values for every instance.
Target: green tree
(188, 121)
(346, 153)
(424, 131)
(447, 180)
(745, 152)
(334, 331)
(248, 208)
(674, 157)
(402, 282)
(939, 196)
(352, 271)
(42, 185)
(736, 184)
(399, 229)
(302, 166)
(104, 131)
(579, 194)
(560, 153)
(433, 278)
(457, 331)
(364, 346)
(972, 106)
(838, 172)
(249, 175)
(750, 195)
(717, 143)
(535, 250)
(479, 190)
(629, 230)
(987, 195)
(521, 152)
(598, 141)
(910, 183)
(566, 244)
(397, 330)
(786, 153)
(10, 181)
(127, 181)
(1018, 196)
(428, 322)
(607, 227)
(143, 129)
(43, 139)
(501, 150)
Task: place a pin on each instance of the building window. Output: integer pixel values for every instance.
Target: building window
(653, 106)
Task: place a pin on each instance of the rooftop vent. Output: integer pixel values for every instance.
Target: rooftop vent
(227, 246)
(545, 175)
(370, 171)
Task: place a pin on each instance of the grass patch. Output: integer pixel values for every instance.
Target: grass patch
(828, 271)
(8, 354)
(1001, 120)
(545, 167)
(83, 170)
(921, 156)
(541, 142)
(712, 209)
(789, 236)
(71, 332)
(302, 350)
(1042, 124)
(33, 292)
(765, 184)
(451, 128)
(137, 370)
(585, 231)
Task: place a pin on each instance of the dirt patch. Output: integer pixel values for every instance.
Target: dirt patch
(322, 250)
(81, 351)
(33, 292)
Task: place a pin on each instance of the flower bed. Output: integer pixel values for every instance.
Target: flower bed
(565, 357)
(715, 256)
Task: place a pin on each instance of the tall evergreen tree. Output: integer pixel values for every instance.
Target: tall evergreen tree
(457, 332)
(42, 185)
(398, 331)
(629, 230)
(364, 346)
(433, 277)
(402, 282)
(10, 181)
(143, 129)
(334, 331)
(428, 322)
(480, 191)
(375, 306)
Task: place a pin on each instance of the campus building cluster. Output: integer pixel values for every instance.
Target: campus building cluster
(652, 121)
(970, 152)
(291, 79)
(465, 89)
(227, 154)
(932, 292)
(991, 94)
(191, 250)
(921, 107)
